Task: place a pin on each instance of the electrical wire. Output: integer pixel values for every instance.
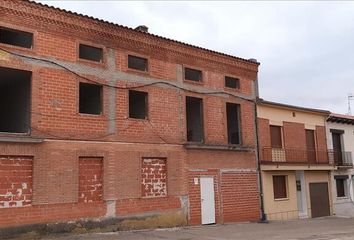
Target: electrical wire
(115, 87)
(124, 88)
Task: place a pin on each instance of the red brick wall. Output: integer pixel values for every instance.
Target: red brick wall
(195, 217)
(294, 139)
(55, 95)
(90, 179)
(153, 177)
(50, 213)
(214, 159)
(240, 197)
(321, 138)
(263, 136)
(144, 205)
(236, 196)
(321, 142)
(15, 181)
(54, 114)
(294, 135)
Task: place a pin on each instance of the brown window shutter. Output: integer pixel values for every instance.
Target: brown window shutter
(279, 187)
(275, 137)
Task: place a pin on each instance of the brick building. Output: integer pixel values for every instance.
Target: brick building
(294, 161)
(340, 142)
(103, 121)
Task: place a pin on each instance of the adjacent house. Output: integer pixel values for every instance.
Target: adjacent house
(103, 121)
(294, 161)
(340, 141)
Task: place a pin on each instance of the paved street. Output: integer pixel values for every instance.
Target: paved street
(313, 229)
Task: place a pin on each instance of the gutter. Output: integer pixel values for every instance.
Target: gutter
(263, 215)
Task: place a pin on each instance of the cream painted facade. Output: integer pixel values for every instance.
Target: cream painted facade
(318, 177)
(298, 203)
(278, 115)
(299, 176)
(343, 206)
(280, 209)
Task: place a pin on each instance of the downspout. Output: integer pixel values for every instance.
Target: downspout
(263, 215)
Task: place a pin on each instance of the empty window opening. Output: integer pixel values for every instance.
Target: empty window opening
(280, 187)
(192, 74)
(16, 37)
(232, 82)
(15, 100)
(137, 63)
(138, 104)
(90, 100)
(194, 108)
(233, 123)
(90, 53)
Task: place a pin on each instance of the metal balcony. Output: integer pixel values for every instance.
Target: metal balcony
(296, 156)
(341, 158)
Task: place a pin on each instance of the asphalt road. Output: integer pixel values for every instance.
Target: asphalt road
(313, 229)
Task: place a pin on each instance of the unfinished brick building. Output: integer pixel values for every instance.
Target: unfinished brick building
(103, 121)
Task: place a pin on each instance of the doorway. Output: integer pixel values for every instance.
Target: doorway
(207, 199)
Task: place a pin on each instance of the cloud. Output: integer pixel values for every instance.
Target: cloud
(305, 48)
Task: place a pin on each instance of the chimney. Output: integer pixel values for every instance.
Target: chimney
(142, 28)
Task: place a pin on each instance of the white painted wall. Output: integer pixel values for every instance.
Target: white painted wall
(348, 136)
(343, 206)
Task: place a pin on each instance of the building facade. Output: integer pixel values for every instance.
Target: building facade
(340, 141)
(103, 121)
(295, 165)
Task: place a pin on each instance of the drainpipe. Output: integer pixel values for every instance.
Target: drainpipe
(263, 215)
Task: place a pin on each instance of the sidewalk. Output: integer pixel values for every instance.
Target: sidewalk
(312, 229)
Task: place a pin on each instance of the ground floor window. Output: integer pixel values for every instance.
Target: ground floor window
(341, 185)
(280, 187)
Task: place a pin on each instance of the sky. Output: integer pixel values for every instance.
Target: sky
(306, 49)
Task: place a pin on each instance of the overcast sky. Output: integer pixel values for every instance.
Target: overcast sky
(306, 49)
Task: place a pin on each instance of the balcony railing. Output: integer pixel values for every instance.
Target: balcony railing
(341, 158)
(296, 156)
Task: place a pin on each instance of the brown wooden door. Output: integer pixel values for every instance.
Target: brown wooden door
(310, 146)
(319, 199)
(337, 148)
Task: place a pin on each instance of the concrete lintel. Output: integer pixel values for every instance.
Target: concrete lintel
(238, 170)
(219, 147)
(197, 170)
(21, 140)
(276, 167)
(115, 75)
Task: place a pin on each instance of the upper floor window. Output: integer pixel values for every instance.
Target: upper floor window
(275, 137)
(192, 74)
(137, 63)
(90, 99)
(194, 109)
(138, 104)
(232, 82)
(15, 100)
(233, 123)
(16, 37)
(90, 53)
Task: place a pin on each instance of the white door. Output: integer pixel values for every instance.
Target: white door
(207, 200)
